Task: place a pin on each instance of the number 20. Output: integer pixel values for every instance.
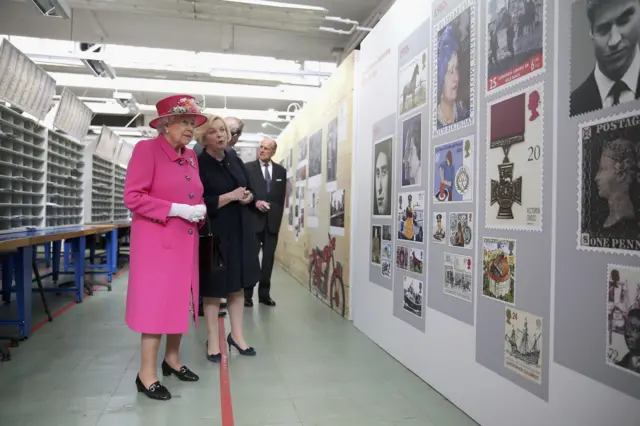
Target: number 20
(534, 153)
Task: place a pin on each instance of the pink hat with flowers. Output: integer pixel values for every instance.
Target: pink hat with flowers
(178, 105)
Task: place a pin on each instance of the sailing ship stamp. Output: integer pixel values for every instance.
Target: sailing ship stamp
(523, 344)
(513, 198)
(411, 216)
(609, 185)
(461, 230)
(623, 318)
(439, 228)
(499, 269)
(413, 290)
(453, 171)
(458, 276)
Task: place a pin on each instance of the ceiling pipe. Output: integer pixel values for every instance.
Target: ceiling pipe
(355, 26)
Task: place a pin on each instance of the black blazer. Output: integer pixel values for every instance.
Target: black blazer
(586, 97)
(276, 196)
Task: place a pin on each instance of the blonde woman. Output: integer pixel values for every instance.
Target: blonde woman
(231, 212)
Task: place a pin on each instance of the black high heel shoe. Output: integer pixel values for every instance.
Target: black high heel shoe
(213, 358)
(248, 352)
(184, 374)
(155, 391)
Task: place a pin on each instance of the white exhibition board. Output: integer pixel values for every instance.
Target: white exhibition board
(460, 345)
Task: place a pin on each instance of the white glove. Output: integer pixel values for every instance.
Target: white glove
(187, 212)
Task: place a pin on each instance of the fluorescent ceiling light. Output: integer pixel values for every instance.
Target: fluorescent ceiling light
(282, 5)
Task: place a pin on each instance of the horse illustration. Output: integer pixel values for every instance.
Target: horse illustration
(410, 88)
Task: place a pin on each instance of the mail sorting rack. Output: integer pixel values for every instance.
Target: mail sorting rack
(102, 190)
(22, 171)
(120, 212)
(65, 168)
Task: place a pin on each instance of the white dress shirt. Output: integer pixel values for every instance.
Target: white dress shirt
(269, 167)
(630, 78)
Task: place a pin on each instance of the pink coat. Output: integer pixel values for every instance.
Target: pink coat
(163, 273)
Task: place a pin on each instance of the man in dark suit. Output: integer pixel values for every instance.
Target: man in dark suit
(615, 33)
(270, 183)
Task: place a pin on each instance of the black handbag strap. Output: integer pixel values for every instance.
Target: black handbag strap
(207, 226)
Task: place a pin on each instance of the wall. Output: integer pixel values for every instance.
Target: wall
(457, 340)
(316, 149)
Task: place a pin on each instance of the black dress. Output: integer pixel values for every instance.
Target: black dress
(234, 224)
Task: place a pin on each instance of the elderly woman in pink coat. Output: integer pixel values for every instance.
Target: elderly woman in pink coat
(164, 193)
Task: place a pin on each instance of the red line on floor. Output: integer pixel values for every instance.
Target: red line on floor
(226, 407)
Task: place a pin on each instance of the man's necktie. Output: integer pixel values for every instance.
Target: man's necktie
(618, 89)
(267, 177)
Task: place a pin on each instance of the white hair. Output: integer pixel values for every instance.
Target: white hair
(162, 124)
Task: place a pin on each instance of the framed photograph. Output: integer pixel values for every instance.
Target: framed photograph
(499, 269)
(515, 150)
(609, 185)
(315, 160)
(412, 78)
(454, 171)
(376, 245)
(412, 151)
(332, 153)
(461, 230)
(458, 276)
(337, 203)
(413, 296)
(515, 42)
(303, 151)
(523, 343)
(382, 177)
(439, 228)
(453, 74)
(623, 318)
(411, 216)
(603, 73)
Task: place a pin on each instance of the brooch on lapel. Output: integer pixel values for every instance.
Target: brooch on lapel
(193, 164)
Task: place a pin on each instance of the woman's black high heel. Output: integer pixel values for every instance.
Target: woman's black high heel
(248, 352)
(155, 391)
(213, 358)
(184, 374)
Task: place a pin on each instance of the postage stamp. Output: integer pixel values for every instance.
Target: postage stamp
(376, 245)
(412, 83)
(461, 230)
(453, 69)
(515, 42)
(454, 171)
(515, 161)
(523, 343)
(411, 216)
(499, 269)
(623, 318)
(439, 228)
(382, 177)
(386, 268)
(609, 185)
(413, 295)
(402, 257)
(387, 251)
(416, 260)
(386, 232)
(458, 276)
(411, 151)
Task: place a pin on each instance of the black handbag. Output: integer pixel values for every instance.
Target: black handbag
(210, 251)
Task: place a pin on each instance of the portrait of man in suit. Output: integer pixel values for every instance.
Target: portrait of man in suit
(614, 30)
(270, 183)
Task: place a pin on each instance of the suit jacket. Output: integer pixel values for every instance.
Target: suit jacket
(586, 97)
(276, 196)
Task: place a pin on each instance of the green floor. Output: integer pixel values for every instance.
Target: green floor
(312, 369)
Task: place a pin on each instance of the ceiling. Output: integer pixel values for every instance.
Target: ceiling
(254, 61)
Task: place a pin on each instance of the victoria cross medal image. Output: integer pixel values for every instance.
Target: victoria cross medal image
(523, 344)
(514, 162)
(382, 177)
(515, 40)
(609, 185)
(623, 318)
(605, 58)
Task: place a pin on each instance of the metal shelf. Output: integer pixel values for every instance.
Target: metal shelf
(102, 190)
(120, 212)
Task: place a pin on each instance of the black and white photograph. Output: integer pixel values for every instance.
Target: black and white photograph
(416, 260)
(336, 212)
(609, 185)
(410, 213)
(376, 245)
(515, 42)
(413, 295)
(605, 58)
(386, 232)
(523, 344)
(303, 151)
(385, 268)
(439, 228)
(623, 318)
(458, 276)
(313, 200)
(382, 177)
(461, 230)
(299, 210)
(332, 155)
(315, 160)
(453, 75)
(402, 257)
(412, 79)
(412, 151)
